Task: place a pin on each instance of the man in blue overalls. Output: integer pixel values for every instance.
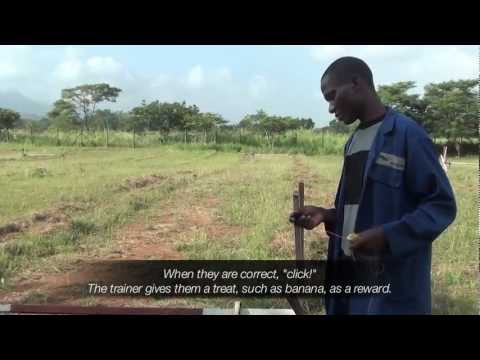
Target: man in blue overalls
(393, 194)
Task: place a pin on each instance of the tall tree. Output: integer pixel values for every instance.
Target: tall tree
(253, 121)
(453, 108)
(8, 118)
(85, 98)
(63, 116)
(397, 97)
(208, 121)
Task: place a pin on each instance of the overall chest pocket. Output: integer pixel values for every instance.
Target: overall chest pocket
(387, 174)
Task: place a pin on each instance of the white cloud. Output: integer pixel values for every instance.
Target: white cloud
(391, 63)
(258, 86)
(69, 70)
(369, 53)
(7, 70)
(15, 60)
(444, 64)
(73, 52)
(161, 80)
(385, 51)
(73, 69)
(322, 52)
(195, 77)
(222, 75)
(104, 65)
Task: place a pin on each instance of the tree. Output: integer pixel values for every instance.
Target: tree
(396, 96)
(63, 116)
(307, 123)
(8, 119)
(339, 127)
(139, 119)
(453, 108)
(106, 119)
(85, 98)
(207, 122)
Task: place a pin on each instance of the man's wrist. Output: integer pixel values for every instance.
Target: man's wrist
(329, 215)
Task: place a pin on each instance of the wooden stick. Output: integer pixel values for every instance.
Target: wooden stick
(301, 239)
(297, 229)
(298, 232)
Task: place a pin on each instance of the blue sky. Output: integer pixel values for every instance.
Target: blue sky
(230, 80)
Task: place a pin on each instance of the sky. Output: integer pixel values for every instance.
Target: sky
(233, 80)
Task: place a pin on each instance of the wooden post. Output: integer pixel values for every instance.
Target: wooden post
(298, 198)
(31, 134)
(133, 138)
(300, 252)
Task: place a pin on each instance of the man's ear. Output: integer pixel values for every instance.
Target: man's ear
(356, 82)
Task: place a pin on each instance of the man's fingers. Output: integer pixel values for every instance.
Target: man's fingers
(299, 218)
(358, 242)
(304, 220)
(293, 217)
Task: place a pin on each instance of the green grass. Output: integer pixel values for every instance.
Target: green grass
(455, 252)
(252, 193)
(83, 175)
(295, 141)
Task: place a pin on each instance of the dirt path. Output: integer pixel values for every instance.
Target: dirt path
(155, 239)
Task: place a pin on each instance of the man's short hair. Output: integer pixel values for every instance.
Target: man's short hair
(346, 67)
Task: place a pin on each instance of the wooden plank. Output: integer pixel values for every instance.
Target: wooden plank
(98, 310)
(103, 310)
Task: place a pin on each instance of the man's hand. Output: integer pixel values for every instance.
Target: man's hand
(309, 217)
(369, 240)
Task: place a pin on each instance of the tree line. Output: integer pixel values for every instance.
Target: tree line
(447, 109)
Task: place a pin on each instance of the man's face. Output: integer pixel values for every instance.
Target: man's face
(343, 99)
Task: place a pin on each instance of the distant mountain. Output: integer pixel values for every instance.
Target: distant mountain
(27, 107)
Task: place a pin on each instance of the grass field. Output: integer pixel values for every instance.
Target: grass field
(94, 203)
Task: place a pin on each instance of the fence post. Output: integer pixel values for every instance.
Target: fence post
(31, 134)
(106, 139)
(58, 139)
(134, 138)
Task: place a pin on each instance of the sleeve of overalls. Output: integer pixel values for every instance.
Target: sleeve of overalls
(427, 182)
